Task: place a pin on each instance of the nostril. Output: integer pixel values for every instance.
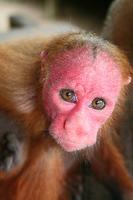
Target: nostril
(66, 124)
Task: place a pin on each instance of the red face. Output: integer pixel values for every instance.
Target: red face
(80, 95)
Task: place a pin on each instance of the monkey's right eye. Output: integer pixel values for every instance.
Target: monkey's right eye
(68, 95)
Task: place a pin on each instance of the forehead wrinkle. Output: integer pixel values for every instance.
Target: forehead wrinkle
(94, 51)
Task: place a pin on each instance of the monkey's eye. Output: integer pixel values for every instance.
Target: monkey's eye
(68, 95)
(98, 103)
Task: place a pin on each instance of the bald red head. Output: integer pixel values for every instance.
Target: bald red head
(80, 95)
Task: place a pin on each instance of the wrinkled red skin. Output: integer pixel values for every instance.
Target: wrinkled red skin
(75, 125)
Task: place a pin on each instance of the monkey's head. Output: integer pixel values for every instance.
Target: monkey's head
(82, 79)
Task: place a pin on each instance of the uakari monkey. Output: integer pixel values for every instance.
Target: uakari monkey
(73, 88)
(118, 26)
(12, 141)
(119, 30)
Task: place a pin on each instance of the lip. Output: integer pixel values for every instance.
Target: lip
(69, 146)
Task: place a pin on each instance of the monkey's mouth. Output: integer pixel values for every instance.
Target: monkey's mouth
(69, 145)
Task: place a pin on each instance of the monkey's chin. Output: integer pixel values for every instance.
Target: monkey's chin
(74, 144)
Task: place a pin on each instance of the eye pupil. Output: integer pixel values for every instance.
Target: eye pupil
(98, 103)
(68, 95)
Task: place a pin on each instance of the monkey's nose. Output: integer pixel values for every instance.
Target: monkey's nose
(76, 127)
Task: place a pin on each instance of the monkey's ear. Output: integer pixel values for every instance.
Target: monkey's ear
(43, 55)
(128, 80)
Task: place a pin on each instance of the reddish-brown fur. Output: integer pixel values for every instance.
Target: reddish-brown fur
(119, 30)
(44, 174)
(118, 25)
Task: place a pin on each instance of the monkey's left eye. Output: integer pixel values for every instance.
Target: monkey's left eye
(98, 103)
(68, 95)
